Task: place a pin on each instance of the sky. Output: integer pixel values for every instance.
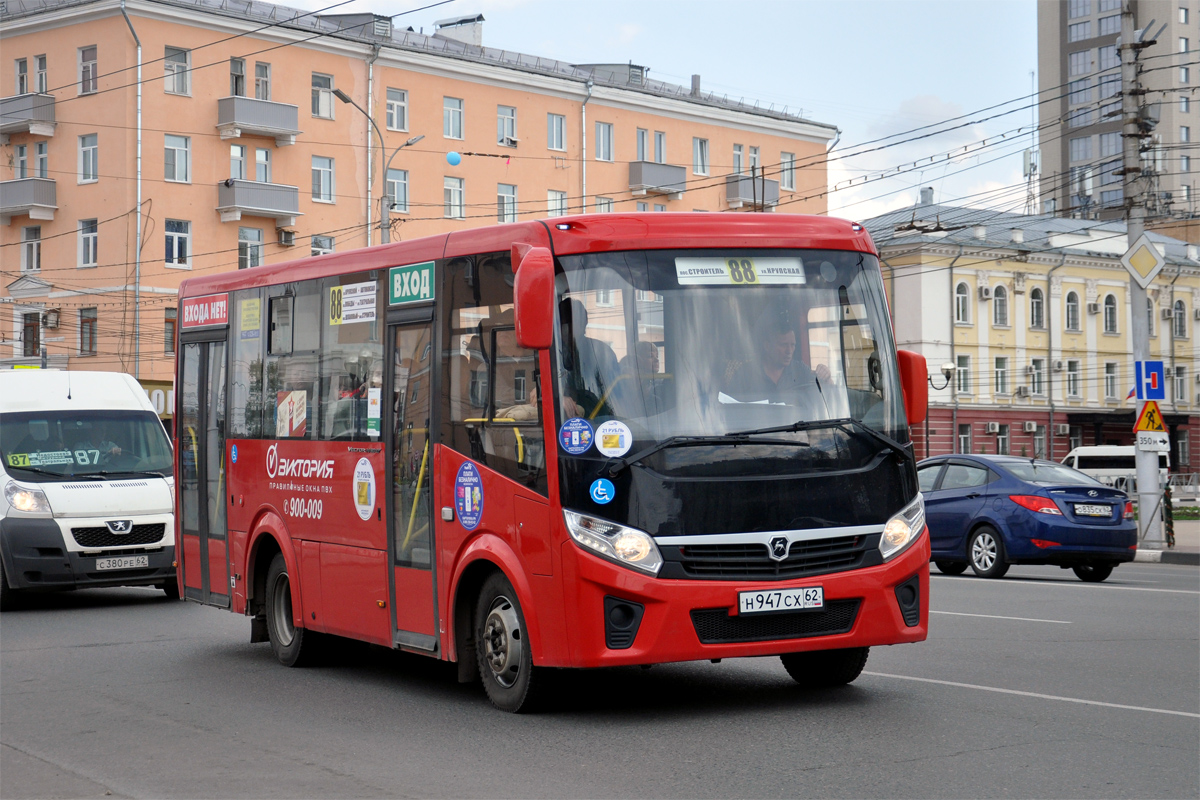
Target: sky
(873, 68)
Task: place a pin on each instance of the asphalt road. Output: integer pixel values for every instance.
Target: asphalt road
(1033, 686)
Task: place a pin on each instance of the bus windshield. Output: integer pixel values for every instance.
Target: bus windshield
(49, 445)
(714, 342)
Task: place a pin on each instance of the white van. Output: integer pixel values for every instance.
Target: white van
(86, 485)
(1112, 465)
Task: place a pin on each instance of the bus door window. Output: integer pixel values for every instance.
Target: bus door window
(214, 439)
(412, 462)
(292, 352)
(351, 356)
(246, 366)
(188, 480)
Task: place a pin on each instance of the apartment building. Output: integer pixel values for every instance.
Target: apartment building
(1079, 114)
(1031, 317)
(221, 135)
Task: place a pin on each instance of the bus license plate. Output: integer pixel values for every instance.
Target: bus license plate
(122, 562)
(1093, 511)
(775, 600)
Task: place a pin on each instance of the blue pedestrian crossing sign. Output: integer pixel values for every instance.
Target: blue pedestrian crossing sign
(1151, 380)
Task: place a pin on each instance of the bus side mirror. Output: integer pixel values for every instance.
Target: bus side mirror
(914, 378)
(533, 299)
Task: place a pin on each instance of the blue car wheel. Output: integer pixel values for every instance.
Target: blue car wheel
(986, 553)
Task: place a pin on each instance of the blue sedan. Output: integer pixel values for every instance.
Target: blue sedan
(993, 511)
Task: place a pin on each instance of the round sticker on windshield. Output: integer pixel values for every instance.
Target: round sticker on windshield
(575, 436)
(364, 488)
(614, 438)
(468, 496)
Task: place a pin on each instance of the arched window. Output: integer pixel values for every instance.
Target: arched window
(1000, 306)
(1180, 320)
(1036, 309)
(962, 305)
(1072, 311)
(1110, 314)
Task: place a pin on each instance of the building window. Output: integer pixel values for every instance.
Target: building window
(1079, 91)
(1081, 148)
(170, 320)
(1079, 8)
(1110, 380)
(604, 205)
(962, 304)
(1074, 437)
(1110, 25)
(506, 126)
(643, 206)
(643, 144)
(604, 141)
(1072, 378)
(660, 147)
(237, 162)
(1000, 306)
(1037, 376)
(321, 245)
(262, 80)
(1002, 440)
(42, 85)
(177, 158)
(22, 76)
(604, 297)
(87, 69)
(175, 66)
(397, 188)
(87, 331)
(452, 118)
(89, 236)
(250, 247)
(1080, 117)
(31, 333)
(1037, 318)
(1110, 314)
(506, 202)
(31, 248)
(1078, 31)
(262, 165)
(1183, 443)
(237, 77)
(1185, 164)
(1039, 441)
(41, 161)
(89, 158)
(1072, 311)
(397, 110)
(699, 156)
(1079, 63)
(964, 439)
(178, 243)
(962, 375)
(1180, 314)
(1001, 375)
(452, 193)
(1184, 75)
(1112, 198)
(1185, 105)
(1185, 133)
(739, 159)
(322, 95)
(322, 179)
(520, 390)
(660, 206)
(1183, 16)
(1183, 44)
(556, 203)
(787, 171)
(1109, 58)
(21, 162)
(556, 132)
(1110, 144)
(1181, 385)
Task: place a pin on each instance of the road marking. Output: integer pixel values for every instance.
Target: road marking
(1035, 582)
(1033, 694)
(993, 616)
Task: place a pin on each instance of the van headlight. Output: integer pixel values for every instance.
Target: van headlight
(628, 547)
(903, 529)
(26, 500)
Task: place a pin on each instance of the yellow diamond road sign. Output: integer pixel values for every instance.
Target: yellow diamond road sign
(1143, 261)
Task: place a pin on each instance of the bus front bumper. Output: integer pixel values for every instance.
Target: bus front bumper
(691, 620)
(35, 558)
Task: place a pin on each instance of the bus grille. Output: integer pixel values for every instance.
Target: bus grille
(715, 626)
(103, 537)
(753, 562)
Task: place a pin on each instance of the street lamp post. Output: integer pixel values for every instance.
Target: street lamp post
(385, 200)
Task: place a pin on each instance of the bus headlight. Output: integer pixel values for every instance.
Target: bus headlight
(903, 529)
(25, 499)
(628, 547)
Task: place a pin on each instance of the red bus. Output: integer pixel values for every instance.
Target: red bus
(580, 442)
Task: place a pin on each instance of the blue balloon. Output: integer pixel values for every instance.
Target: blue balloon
(454, 158)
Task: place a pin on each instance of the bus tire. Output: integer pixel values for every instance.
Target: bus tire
(502, 647)
(1095, 572)
(293, 646)
(826, 668)
(170, 588)
(986, 553)
(951, 567)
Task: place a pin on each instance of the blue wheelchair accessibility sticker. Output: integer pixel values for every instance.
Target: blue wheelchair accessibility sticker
(603, 491)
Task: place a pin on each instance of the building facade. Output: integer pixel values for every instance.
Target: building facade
(151, 140)
(1031, 317)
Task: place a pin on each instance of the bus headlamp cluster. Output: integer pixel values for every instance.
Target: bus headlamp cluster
(628, 547)
(27, 500)
(903, 529)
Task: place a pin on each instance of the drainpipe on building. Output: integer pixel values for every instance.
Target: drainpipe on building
(370, 146)
(137, 252)
(953, 360)
(583, 128)
(1171, 300)
(1050, 360)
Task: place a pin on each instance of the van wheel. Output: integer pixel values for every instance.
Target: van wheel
(1092, 573)
(951, 567)
(293, 646)
(986, 552)
(502, 648)
(170, 588)
(825, 668)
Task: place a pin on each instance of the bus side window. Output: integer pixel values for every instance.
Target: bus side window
(351, 356)
(290, 399)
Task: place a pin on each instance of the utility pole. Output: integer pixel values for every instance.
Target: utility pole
(1132, 100)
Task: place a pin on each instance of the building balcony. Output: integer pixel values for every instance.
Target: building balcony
(743, 190)
(649, 177)
(26, 113)
(255, 199)
(36, 197)
(247, 116)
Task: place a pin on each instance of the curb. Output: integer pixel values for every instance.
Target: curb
(1167, 557)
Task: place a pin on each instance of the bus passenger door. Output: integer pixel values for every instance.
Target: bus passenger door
(200, 437)
(409, 455)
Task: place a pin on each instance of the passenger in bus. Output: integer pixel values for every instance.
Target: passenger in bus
(776, 375)
(590, 365)
(637, 391)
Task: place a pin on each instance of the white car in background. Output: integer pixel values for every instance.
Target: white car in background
(1112, 465)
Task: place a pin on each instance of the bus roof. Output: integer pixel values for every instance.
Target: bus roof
(584, 233)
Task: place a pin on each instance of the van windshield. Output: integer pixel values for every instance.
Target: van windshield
(47, 445)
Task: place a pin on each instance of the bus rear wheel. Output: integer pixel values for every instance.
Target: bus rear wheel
(293, 646)
(825, 668)
(502, 647)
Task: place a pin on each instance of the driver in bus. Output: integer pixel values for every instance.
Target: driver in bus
(593, 364)
(776, 375)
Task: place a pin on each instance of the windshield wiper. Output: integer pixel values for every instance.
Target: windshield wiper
(145, 473)
(41, 471)
(617, 466)
(849, 424)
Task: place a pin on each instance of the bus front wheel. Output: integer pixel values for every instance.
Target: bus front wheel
(502, 647)
(824, 668)
(293, 646)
